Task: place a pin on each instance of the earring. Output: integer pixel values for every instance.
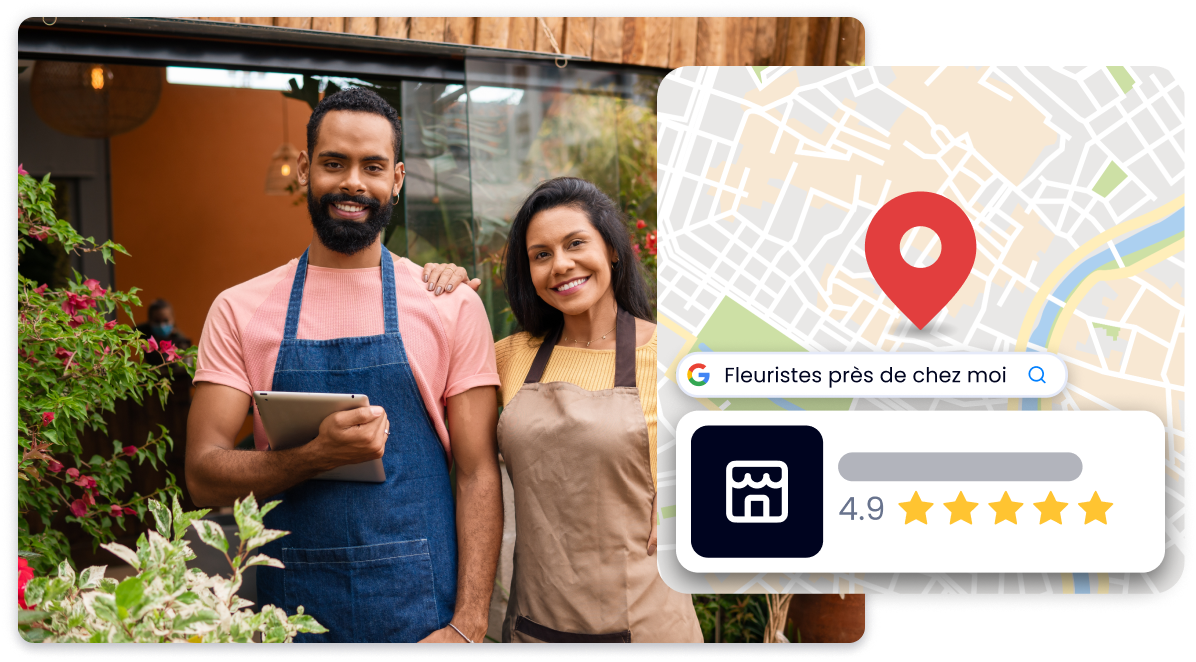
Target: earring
(394, 199)
(614, 265)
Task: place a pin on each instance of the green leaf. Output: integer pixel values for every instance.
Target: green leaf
(249, 520)
(161, 516)
(211, 533)
(128, 595)
(91, 577)
(27, 616)
(66, 572)
(262, 559)
(35, 635)
(265, 536)
(305, 623)
(105, 606)
(127, 555)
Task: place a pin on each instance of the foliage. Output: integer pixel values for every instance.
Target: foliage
(744, 618)
(165, 601)
(73, 366)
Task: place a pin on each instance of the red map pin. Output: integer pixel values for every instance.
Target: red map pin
(920, 292)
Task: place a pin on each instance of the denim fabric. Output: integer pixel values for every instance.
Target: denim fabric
(370, 561)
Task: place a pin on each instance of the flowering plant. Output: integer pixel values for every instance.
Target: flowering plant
(73, 365)
(165, 601)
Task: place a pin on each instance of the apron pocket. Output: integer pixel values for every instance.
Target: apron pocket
(526, 626)
(382, 592)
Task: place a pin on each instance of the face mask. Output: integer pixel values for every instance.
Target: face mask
(162, 330)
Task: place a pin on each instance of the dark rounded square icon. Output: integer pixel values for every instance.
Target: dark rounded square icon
(756, 491)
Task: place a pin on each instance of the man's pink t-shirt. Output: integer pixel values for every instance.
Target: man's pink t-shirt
(447, 338)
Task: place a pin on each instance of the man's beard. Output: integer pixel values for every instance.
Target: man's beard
(342, 235)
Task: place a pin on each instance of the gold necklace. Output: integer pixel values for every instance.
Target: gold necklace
(590, 341)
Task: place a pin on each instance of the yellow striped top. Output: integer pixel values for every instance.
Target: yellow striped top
(591, 369)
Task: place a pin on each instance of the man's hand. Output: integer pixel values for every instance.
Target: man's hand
(445, 635)
(445, 277)
(349, 437)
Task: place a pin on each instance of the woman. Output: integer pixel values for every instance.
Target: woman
(578, 428)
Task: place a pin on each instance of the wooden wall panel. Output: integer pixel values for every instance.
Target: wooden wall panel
(293, 22)
(635, 40)
(656, 53)
(426, 28)
(731, 47)
(523, 33)
(328, 23)
(711, 49)
(683, 40)
(556, 25)
(797, 43)
(361, 25)
(257, 20)
(458, 30)
(392, 27)
(579, 36)
(766, 41)
(830, 43)
(221, 19)
(608, 39)
(493, 32)
(745, 54)
(851, 43)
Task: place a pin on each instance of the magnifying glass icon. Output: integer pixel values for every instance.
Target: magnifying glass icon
(1041, 374)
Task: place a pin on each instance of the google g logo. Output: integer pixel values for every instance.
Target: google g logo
(702, 376)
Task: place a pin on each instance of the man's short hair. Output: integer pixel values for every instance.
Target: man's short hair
(357, 99)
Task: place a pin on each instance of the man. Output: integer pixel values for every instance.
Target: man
(370, 561)
(160, 326)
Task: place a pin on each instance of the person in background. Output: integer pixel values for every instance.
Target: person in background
(160, 326)
(578, 427)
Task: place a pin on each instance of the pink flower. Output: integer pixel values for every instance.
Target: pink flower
(130, 450)
(94, 286)
(41, 289)
(89, 498)
(72, 472)
(24, 574)
(167, 348)
(74, 303)
(640, 224)
(40, 234)
(47, 417)
(151, 346)
(635, 248)
(110, 325)
(21, 171)
(76, 321)
(129, 511)
(54, 466)
(86, 482)
(116, 511)
(63, 354)
(78, 508)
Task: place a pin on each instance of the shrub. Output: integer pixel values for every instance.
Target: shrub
(165, 601)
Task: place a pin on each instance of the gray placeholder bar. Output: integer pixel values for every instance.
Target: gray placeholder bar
(960, 467)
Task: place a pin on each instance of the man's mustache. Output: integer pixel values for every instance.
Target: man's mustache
(363, 200)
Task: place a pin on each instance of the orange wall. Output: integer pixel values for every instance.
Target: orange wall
(188, 199)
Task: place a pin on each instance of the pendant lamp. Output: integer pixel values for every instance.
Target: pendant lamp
(282, 177)
(93, 100)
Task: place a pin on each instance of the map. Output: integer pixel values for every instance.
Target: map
(1073, 180)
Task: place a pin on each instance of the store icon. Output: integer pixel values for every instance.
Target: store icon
(760, 500)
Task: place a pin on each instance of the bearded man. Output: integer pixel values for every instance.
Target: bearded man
(370, 561)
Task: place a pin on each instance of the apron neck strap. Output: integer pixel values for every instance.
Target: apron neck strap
(390, 304)
(624, 352)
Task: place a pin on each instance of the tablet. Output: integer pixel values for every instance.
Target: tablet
(293, 419)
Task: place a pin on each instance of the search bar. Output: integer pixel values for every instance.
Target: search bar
(871, 375)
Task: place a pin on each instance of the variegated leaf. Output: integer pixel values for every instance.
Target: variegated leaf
(211, 533)
(91, 577)
(161, 516)
(127, 555)
(262, 559)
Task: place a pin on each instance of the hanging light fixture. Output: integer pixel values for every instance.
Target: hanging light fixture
(282, 176)
(93, 100)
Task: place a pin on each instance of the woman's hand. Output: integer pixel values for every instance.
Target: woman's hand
(444, 277)
(652, 535)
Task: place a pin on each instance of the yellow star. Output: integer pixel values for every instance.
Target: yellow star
(1050, 509)
(915, 509)
(1006, 509)
(1095, 509)
(961, 509)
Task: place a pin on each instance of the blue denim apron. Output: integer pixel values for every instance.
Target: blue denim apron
(370, 561)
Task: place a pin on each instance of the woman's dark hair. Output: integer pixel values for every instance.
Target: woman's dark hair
(534, 315)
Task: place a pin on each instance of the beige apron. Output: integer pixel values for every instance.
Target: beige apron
(579, 465)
